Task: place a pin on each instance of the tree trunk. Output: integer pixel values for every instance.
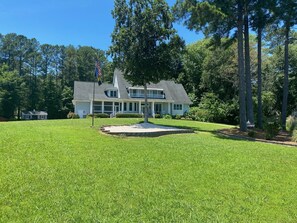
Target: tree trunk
(259, 90)
(145, 104)
(249, 94)
(242, 104)
(286, 81)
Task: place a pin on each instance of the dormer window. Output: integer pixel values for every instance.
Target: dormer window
(113, 94)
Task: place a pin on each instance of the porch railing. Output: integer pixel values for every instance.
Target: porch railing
(139, 95)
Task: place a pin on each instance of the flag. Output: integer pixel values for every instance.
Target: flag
(98, 73)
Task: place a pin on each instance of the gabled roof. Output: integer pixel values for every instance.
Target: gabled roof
(173, 92)
(34, 113)
(84, 90)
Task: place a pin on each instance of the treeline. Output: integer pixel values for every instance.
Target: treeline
(41, 76)
(234, 19)
(210, 75)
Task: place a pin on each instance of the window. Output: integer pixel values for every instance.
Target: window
(97, 107)
(177, 107)
(113, 94)
(139, 93)
(107, 107)
(125, 106)
(130, 107)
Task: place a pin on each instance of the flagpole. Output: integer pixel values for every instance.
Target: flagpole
(98, 75)
(93, 104)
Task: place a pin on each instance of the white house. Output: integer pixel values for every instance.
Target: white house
(34, 115)
(165, 97)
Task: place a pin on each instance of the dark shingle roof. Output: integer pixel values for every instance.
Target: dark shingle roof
(34, 113)
(173, 92)
(84, 90)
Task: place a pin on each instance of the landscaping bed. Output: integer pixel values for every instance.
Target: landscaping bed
(282, 137)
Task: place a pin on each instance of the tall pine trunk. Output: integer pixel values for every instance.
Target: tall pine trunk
(242, 104)
(145, 104)
(259, 90)
(249, 94)
(286, 81)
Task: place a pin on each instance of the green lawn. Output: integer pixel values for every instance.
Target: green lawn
(65, 171)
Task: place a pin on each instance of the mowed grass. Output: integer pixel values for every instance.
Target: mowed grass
(65, 171)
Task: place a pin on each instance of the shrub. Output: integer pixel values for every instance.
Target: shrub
(157, 116)
(72, 115)
(294, 136)
(251, 133)
(99, 115)
(167, 116)
(178, 117)
(212, 109)
(291, 123)
(129, 115)
(198, 114)
(271, 129)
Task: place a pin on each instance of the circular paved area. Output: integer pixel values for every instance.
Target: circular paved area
(143, 129)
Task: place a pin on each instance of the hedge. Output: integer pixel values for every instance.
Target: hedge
(131, 115)
(99, 115)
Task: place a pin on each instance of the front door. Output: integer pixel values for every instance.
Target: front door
(158, 108)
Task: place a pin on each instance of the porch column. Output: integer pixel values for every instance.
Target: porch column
(122, 107)
(113, 108)
(102, 104)
(169, 108)
(153, 109)
(139, 107)
(91, 107)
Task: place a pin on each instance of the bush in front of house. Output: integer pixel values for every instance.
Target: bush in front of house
(212, 109)
(72, 115)
(128, 115)
(99, 115)
(198, 114)
(167, 116)
(291, 123)
(157, 116)
(177, 117)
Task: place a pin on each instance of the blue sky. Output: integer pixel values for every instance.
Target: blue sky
(64, 22)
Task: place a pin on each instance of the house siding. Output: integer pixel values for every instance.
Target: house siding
(82, 109)
(185, 108)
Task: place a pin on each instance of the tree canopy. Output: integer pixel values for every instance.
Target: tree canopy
(41, 76)
(145, 45)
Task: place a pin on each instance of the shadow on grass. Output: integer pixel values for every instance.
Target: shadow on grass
(218, 133)
(214, 132)
(233, 137)
(193, 128)
(221, 135)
